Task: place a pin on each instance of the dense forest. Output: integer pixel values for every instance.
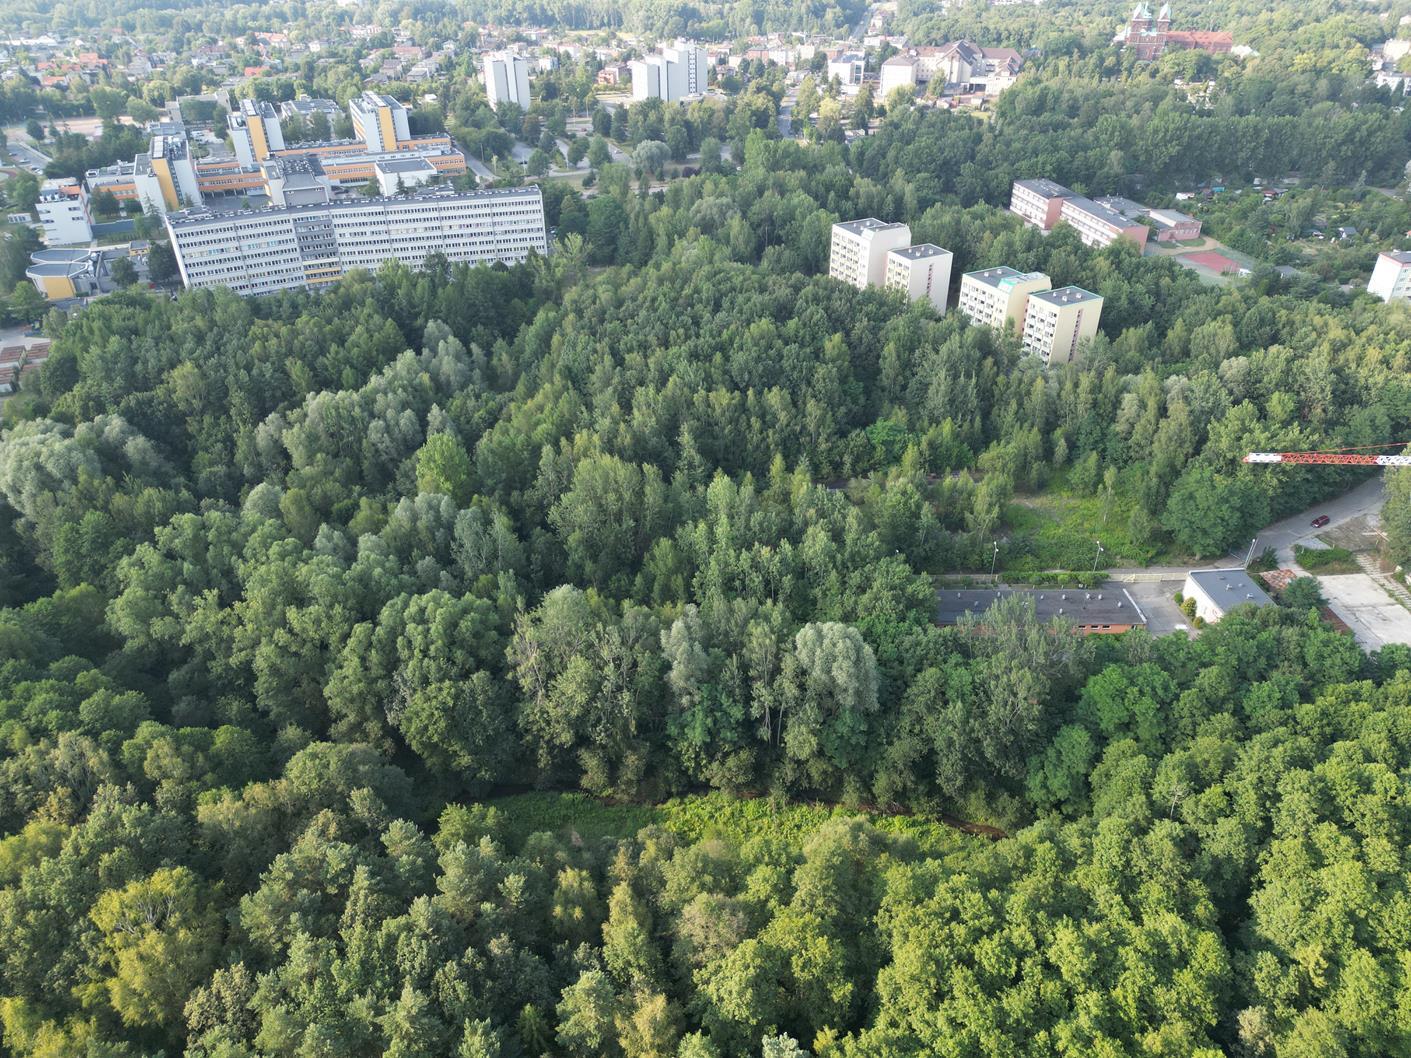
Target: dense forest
(506, 663)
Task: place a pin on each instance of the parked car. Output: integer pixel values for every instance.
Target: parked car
(1321, 521)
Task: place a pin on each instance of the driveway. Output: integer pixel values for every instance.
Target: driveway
(1375, 619)
(1364, 500)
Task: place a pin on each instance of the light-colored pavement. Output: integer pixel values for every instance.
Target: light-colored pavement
(1157, 601)
(1374, 618)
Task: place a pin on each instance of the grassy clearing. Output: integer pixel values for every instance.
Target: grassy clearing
(1059, 530)
(707, 815)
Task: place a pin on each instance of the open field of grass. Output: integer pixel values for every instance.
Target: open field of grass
(707, 815)
(1060, 530)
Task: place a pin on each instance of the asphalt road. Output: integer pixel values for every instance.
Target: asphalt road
(1366, 498)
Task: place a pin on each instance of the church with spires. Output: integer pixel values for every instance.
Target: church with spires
(1150, 37)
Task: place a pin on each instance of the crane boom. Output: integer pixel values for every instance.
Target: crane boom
(1336, 458)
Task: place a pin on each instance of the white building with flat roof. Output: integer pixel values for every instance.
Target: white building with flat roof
(63, 212)
(1038, 202)
(1098, 225)
(675, 73)
(262, 251)
(1391, 276)
(848, 68)
(1056, 322)
(999, 297)
(858, 254)
(921, 271)
(507, 79)
(1218, 591)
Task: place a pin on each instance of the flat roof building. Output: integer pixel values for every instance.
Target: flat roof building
(1100, 611)
(254, 131)
(62, 207)
(506, 79)
(1218, 591)
(1057, 321)
(305, 108)
(672, 75)
(396, 176)
(858, 253)
(295, 247)
(1391, 276)
(379, 121)
(921, 271)
(1038, 202)
(1099, 226)
(1171, 225)
(999, 297)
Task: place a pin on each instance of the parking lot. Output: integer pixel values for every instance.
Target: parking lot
(1374, 617)
(1157, 601)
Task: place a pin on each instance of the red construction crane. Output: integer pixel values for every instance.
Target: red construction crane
(1336, 457)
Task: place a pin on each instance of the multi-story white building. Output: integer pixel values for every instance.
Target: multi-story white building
(921, 271)
(254, 131)
(379, 121)
(1038, 202)
(507, 79)
(677, 73)
(63, 211)
(267, 250)
(1391, 276)
(1056, 321)
(998, 297)
(858, 253)
(1098, 225)
(848, 68)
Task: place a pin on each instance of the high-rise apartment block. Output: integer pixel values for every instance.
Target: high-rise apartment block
(1391, 276)
(921, 272)
(165, 177)
(262, 251)
(1056, 321)
(858, 254)
(677, 73)
(507, 79)
(1038, 202)
(379, 121)
(255, 131)
(999, 297)
(872, 253)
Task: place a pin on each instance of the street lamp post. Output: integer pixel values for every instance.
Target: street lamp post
(994, 557)
(1097, 557)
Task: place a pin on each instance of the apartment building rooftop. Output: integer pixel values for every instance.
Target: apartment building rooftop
(1045, 188)
(1098, 211)
(205, 214)
(857, 227)
(258, 108)
(1064, 296)
(920, 252)
(1002, 277)
(1399, 256)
